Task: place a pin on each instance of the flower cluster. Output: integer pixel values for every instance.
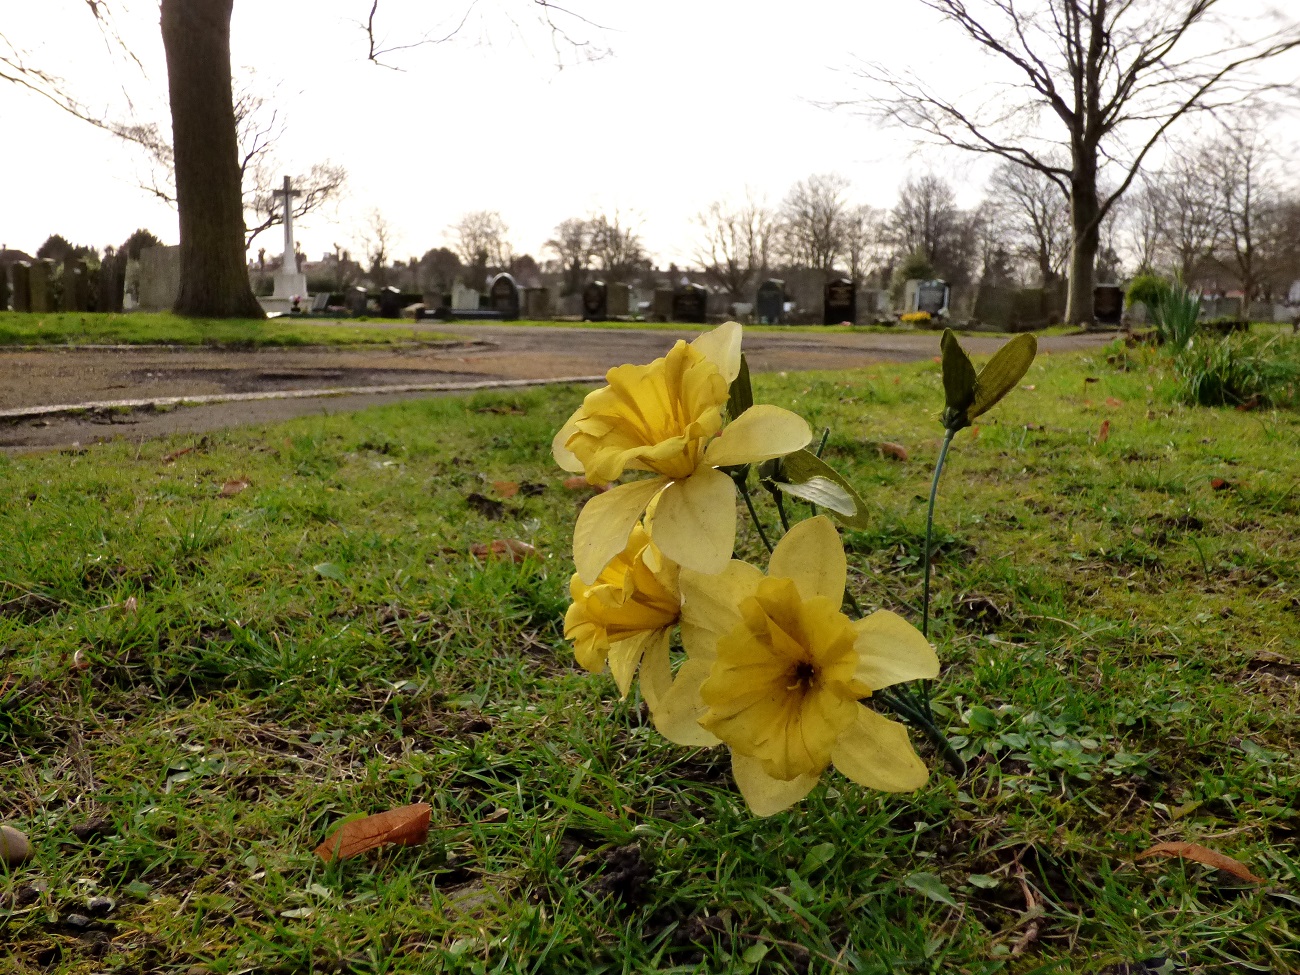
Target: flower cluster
(772, 668)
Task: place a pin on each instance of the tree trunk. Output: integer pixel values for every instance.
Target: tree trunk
(1085, 221)
(214, 277)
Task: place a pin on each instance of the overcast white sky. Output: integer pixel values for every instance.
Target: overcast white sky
(698, 100)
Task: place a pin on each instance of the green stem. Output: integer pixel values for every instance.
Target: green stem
(826, 435)
(929, 532)
(744, 493)
(780, 510)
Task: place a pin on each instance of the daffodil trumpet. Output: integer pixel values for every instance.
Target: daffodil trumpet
(667, 418)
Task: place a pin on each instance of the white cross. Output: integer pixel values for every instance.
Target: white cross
(290, 264)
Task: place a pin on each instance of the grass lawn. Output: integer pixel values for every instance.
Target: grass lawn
(1119, 623)
(161, 328)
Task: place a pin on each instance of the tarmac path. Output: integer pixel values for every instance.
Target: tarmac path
(35, 378)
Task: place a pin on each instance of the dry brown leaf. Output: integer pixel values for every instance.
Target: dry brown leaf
(1114, 403)
(579, 483)
(895, 450)
(512, 547)
(80, 661)
(405, 826)
(1104, 433)
(1201, 854)
(131, 606)
(1219, 484)
(507, 489)
(231, 488)
(175, 454)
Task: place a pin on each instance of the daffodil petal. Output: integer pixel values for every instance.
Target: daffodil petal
(760, 433)
(677, 715)
(710, 605)
(765, 795)
(721, 346)
(605, 523)
(565, 457)
(656, 671)
(694, 524)
(812, 556)
(876, 752)
(625, 655)
(892, 650)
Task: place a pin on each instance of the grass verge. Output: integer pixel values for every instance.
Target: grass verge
(162, 328)
(1118, 618)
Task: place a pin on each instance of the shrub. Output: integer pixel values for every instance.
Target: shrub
(1240, 369)
(1178, 315)
(1147, 289)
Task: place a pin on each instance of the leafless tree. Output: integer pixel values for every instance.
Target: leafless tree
(1192, 220)
(1244, 175)
(616, 246)
(864, 239)
(812, 217)
(736, 244)
(1143, 213)
(1096, 82)
(926, 218)
(572, 247)
(482, 238)
(1029, 210)
(378, 238)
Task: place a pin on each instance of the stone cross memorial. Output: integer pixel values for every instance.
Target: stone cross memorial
(289, 282)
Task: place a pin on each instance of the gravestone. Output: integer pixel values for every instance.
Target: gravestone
(770, 301)
(76, 286)
(618, 300)
(537, 303)
(1108, 304)
(111, 284)
(932, 297)
(503, 294)
(22, 286)
(839, 302)
(160, 278)
(390, 303)
(4, 288)
(595, 302)
(691, 304)
(42, 292)
(357, 302)
(320, 303)
(463, 298)
(661, 308)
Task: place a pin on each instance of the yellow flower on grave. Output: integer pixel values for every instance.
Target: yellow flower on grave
(627, 615)
(777, 673)
(667, 418)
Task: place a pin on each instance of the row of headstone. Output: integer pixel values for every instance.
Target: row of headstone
(31, 287)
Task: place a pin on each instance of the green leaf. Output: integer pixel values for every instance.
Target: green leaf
(959, 382)
(1007, 367)
(982, 880)
(932, 887)
(755, 953)
(818, 856)
(803, 465)
(824, 493)
(982, 718)
(742, 393)
(328, 570)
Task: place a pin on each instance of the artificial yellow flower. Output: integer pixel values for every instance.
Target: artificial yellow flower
(666, 418)
(777, 673)
(627, 615)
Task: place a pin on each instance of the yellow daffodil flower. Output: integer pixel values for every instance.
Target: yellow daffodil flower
(777, 673)
(667, 418)
(627, 615)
